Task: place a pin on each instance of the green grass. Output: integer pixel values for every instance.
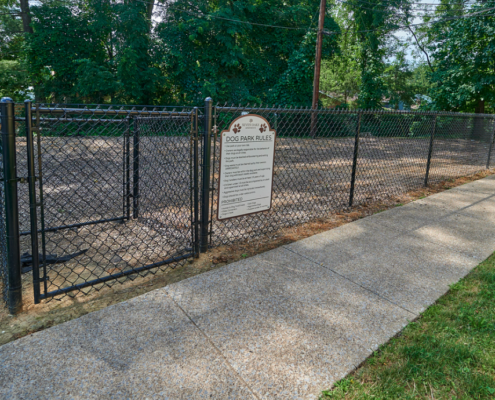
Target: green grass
(449, 353)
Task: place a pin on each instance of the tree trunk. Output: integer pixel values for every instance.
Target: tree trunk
(149, 13)
(26, 16)
(480, 108)
(478, 123)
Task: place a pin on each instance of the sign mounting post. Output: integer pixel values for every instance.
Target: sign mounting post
(247, 154)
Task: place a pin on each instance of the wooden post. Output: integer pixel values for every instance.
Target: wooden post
(316, 81)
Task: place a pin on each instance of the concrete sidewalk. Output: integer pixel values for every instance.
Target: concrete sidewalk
(285, 324)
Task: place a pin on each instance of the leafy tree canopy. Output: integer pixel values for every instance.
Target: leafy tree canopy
(239, 62)
(107, 51)
(463, 76)
(93, 51)
(240, 51)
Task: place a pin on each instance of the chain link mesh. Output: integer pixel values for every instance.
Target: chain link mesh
(119, 189)
(461, 146)
(393, 154)
(115, 193)
(312, 173)
(314, 160)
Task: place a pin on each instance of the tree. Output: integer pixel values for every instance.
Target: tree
(464, 69)
(13, 80)
(373, 19)
(205, 52)
(11, 38)
(92, 51)
(397, 79)
(341, 73)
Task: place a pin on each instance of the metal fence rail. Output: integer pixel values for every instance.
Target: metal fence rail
(104, 194)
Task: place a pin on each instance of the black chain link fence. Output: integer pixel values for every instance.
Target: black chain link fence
(327, 160)
(113, 194)
(118, 191)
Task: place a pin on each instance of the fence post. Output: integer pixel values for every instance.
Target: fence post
(205, 190)
(491, 146)
(354, 160)
(11, 205)
(430, 150)
(196, 182)
(135, 171)
(32, 200)
(127, 170)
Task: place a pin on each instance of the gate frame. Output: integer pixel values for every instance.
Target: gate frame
(34, 231)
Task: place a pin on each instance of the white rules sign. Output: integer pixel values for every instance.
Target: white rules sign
(247, 152)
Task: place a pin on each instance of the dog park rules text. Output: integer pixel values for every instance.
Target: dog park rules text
(246, 167)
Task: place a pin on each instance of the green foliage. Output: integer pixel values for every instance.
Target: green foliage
(341, 74)
(464, 72)
(93, 52)
(13, 80)
(95, 82)
(61, 39)
(106, 51)
(397, 79)
(295, 86)
(237, 62)
(372, 22)
(10, 27)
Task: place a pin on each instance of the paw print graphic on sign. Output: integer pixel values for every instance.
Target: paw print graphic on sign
(263, 128)
(237, 128)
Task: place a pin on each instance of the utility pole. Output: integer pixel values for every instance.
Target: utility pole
(316, 81)
(319, 43)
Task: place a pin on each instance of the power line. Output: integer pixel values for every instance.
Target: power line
(208, 16)
(411, 13)
(384, 3)
(477, 13)
(264, 25)
(325, 32)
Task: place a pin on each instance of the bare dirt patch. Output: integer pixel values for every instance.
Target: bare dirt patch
(36, 317)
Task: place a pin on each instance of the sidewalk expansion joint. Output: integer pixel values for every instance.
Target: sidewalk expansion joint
(215, 348)
(350, 280)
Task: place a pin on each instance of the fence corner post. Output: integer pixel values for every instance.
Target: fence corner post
(11, 205)
(491, 146)
(354, 160)
(205, 189)
(430, 150)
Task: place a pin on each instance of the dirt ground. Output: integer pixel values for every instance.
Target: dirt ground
(313, 177)
(37, 317)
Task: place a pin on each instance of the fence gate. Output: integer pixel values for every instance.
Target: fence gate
(111, 193)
